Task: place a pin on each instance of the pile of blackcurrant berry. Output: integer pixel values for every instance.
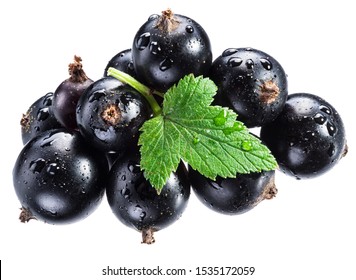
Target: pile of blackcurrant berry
(82, 140)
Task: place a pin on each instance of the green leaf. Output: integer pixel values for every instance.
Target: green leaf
(208, 138)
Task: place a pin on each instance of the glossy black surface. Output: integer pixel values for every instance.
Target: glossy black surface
(307, 138)
(38, 118)
(58, 178)
(250, 82)
(233, 196)
(161, 58)
(131, 108)
(123, 62)
(136, 203)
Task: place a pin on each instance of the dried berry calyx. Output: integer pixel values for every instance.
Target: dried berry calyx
(76, 72)
(167, 22)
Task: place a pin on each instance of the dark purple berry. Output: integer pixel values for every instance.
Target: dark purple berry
(307, 138)
(250, 82)
(68, 93)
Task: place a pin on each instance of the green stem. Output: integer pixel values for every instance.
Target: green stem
(141, 88)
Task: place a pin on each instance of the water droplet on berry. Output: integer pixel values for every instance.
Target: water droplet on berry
(152, 17)
(37, 165)
(229, 51)
(155, 48)
(143, 41)
(52, 168)
(215, 185)
(126, 193)
(246, 145)
(234, 61)
(331, 128)
(142, 215)
(189, 29)
(50, 212)
(266, 63)
(130, 66)
(331, 150)
(319, 118)
(250, 64)
(96, 96)
(48, 140)
(134, 168)
(166, 64)
(325, 109)
(42, 114)
(47, 100)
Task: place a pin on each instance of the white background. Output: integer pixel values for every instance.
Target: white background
(306, 232)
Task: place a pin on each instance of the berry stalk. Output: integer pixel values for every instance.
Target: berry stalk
(141, 88)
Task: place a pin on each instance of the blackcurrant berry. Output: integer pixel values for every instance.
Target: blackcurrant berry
(233, 195)
(58, 179)
(68, 92)
(136, 203)
(123, 62)
(109, 114)
(250, 82)
(307, 138)
(168, 47)
(38, 118)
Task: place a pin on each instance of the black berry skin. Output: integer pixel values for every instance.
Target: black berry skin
(232, 196)
(123, 62)
(168, 47)
(109, 115)
(250, 82)
(58, 179)
(307, 138)
(38, 118)
(136, 203)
